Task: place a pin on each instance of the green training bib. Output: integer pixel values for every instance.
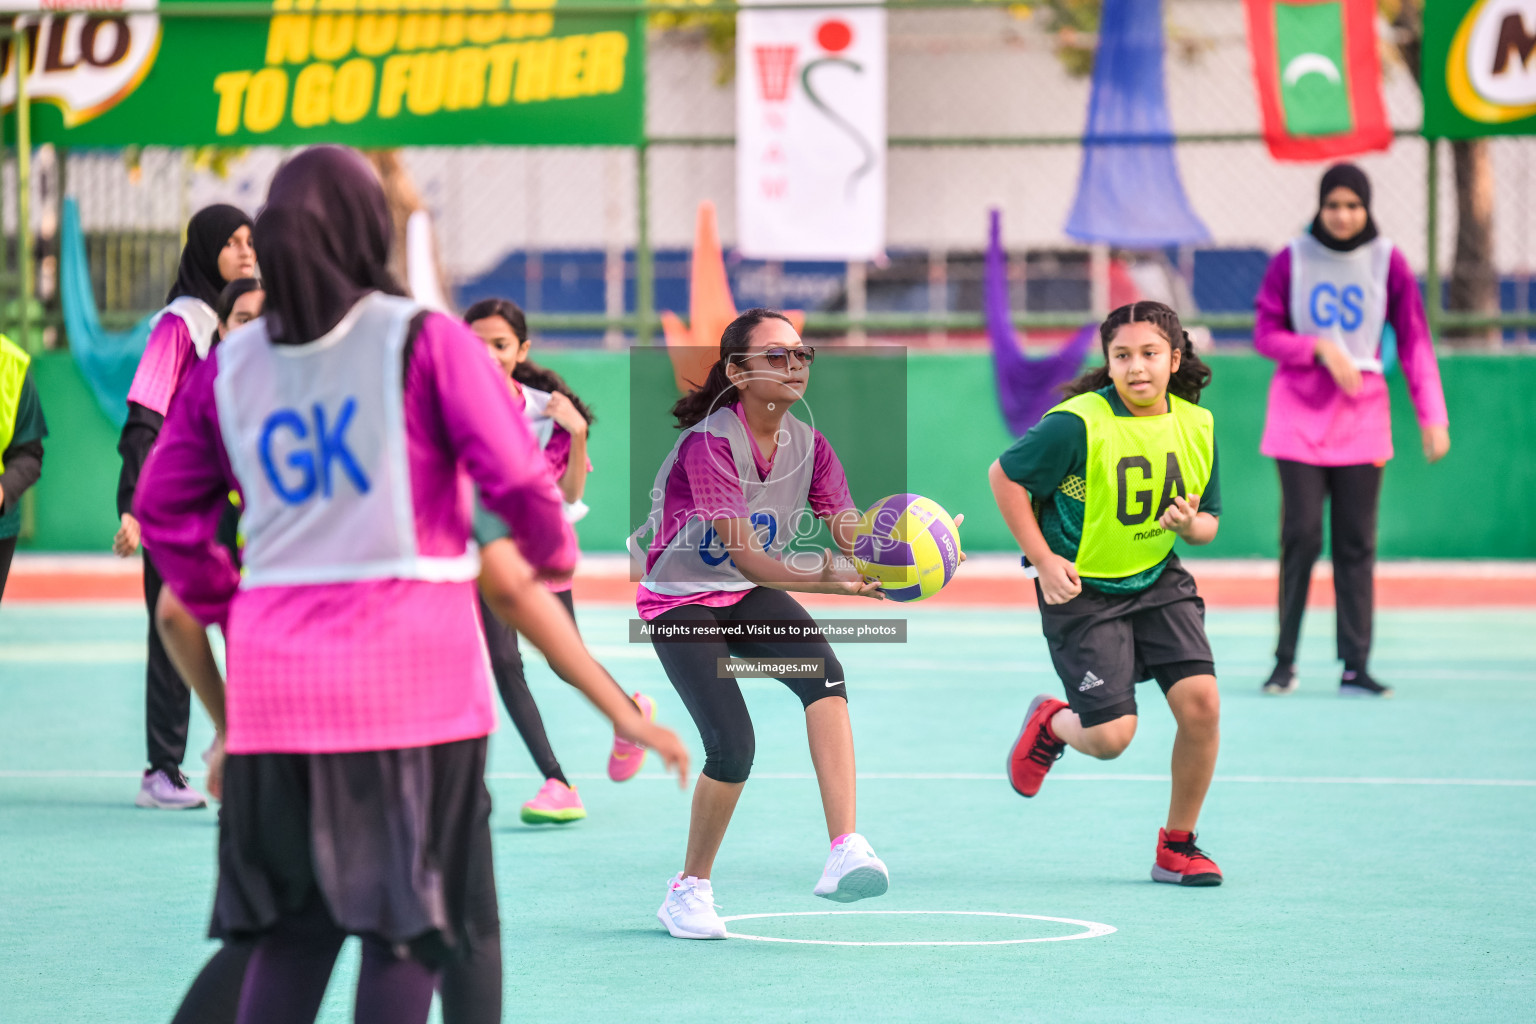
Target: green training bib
(13, 372)
(1136, 464)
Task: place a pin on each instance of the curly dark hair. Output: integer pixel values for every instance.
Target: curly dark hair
(1192, 376)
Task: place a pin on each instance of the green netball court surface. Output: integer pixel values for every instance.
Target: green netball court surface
(1379, 855)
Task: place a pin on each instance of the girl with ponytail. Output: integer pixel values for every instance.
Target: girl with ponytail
(559, 421)
(1095, 494)
(727, 501)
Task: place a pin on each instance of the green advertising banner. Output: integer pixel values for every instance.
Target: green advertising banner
(371, 73)
(1479, 68)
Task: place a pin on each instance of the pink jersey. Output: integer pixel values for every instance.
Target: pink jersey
(701, 480)
(168, 356)
(558, 452)
(1310, 419)
(381, 663)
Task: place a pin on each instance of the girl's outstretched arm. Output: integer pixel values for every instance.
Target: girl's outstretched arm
(186, 642)
(518, 599)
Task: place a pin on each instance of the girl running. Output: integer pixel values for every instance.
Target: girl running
(559, 421)
(1095, 495)
(218, 251)
(358, 707)
(1319, 316)
(726, 501)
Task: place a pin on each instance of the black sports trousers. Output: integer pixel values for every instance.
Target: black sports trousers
(512, 683)
(167, 700)
(1353, 494)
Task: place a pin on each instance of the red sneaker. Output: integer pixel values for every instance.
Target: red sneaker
(1037, 748)
(1181, 862)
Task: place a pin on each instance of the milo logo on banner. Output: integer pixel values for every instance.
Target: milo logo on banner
(359, 72)
(1490, 75)
(82, 63)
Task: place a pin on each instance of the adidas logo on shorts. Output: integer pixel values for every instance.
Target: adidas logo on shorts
(1089, 682)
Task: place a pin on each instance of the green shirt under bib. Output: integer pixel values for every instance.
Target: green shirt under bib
(1051, 462)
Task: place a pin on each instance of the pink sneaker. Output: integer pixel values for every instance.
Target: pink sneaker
(554, 804)
(625, 759)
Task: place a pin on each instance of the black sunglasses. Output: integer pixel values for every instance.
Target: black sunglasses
(778, 357)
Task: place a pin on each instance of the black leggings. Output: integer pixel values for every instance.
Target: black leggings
(1353, 493)
(7, 549)
(507, 667)
(470, 984)
(167, 700)
(290, 967)
(716, 704)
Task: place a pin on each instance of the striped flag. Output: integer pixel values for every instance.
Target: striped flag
(1318, 77)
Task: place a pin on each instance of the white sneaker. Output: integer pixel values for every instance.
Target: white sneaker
(853, 872)
(160, 790)
(689, 910)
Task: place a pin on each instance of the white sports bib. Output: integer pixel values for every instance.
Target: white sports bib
(535, 404)
(202, 322)
(1342, 296)
(695, 561)
(316, 436)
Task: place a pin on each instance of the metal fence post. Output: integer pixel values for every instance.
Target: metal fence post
(1432, 297)
(645, 298)
(23, 194)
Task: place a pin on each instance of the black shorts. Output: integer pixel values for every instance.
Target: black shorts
(1104, 644)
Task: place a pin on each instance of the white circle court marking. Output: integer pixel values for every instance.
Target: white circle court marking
(1091, 929)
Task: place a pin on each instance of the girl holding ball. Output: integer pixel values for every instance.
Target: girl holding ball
(723, 503)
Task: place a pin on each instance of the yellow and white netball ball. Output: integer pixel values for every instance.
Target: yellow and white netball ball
(908, 543)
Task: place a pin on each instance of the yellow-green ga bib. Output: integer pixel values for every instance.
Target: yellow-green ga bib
(13, 371)
(1136, 464)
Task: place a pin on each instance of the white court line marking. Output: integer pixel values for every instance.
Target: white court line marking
(1284, 780)
(73, 654)
(1091, 929)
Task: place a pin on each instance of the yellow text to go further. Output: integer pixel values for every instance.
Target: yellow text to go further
(423, 83)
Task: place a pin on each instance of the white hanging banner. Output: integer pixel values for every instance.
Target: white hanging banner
(810, 133)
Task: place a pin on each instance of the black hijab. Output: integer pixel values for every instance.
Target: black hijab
(207, 233)
(323, 240)
(1354, 179)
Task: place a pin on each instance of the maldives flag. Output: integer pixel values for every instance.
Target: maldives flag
(1318, 76)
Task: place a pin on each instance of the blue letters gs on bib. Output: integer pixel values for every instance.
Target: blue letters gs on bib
(307, 466)
(1328, 306)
